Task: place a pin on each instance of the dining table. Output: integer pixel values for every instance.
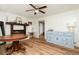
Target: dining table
(15, 39)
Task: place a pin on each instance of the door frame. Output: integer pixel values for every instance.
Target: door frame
(42, 22)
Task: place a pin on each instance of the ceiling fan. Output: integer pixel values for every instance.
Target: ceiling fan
(37, 9)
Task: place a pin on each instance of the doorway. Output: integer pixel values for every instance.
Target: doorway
(42, 29)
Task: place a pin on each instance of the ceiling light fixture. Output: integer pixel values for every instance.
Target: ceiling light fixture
(36, 11)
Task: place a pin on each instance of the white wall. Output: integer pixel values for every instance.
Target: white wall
(6, 16)
(35, 27)
(60, 22)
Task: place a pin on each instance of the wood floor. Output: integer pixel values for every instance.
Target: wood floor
(40, 47)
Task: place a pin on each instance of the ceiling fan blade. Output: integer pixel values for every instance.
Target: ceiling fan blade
(33, 6)
(42, 11)
(30, 10)
(43, 7)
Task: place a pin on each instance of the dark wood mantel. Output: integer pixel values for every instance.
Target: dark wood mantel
(12, 24)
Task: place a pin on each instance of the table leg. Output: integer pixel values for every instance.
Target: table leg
(16, 46)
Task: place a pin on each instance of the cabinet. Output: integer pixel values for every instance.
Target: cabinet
(65, 39)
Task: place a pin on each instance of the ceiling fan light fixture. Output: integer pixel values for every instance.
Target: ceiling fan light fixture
(36, 11)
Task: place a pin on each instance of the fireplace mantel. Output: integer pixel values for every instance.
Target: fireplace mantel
(19, 31)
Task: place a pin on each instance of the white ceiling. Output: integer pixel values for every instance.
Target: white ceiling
(50, 10)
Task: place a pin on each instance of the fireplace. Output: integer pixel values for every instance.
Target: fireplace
(19, 31)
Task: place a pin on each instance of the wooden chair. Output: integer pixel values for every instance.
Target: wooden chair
(3, 34)
(3, 31)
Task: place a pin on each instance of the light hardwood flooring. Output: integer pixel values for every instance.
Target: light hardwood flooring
(41, 47)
